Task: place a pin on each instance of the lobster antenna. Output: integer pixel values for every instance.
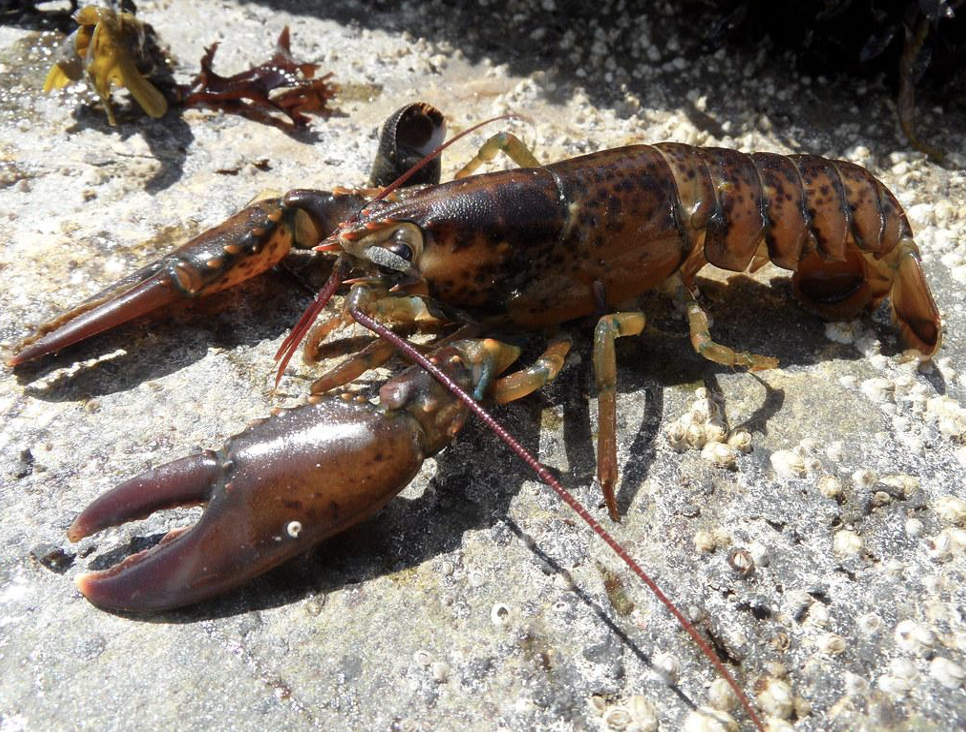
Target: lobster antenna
(407, 349)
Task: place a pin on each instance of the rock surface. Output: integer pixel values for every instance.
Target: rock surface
(827, 564)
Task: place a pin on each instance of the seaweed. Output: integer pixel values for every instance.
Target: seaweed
(280, 85)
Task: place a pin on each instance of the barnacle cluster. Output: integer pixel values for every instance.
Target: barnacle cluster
(704, 427)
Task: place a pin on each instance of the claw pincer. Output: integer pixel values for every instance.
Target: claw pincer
(252, 241)
(281, 486)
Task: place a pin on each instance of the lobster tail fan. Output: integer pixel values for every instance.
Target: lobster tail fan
(913, 308)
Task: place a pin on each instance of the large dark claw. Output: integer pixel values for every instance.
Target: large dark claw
(283, 485)
(273, 492)
(245, 245)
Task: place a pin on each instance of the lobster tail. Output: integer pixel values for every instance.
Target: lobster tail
(833, 223)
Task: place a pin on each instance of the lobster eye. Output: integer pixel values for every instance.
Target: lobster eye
(400, 245)
(399, 251)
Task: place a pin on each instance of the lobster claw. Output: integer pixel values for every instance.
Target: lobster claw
(271, 493)
(283, 485)
(250, 242)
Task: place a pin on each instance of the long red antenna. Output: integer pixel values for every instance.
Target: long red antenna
(565, 495)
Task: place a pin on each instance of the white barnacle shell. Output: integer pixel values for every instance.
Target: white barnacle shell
(870, 623)
(500, 614)
(644, 716)
(440, 671)
(721, 696)
(903, 668)
(893, 685)
(715, 431)
(831, 644)
(830, 486)
(906, 484)
(677, 434)
(720, 454)
(879, 389)
(706, 719)
(807, 446)
(617, 719)
(913, 527)
(951, 509)
(775, 698)
(843, 331)
(666, 666)
(949, 674)
(740, 440)
(914, 637)
(950, 418)
(293, 529)
(818, 615)
(704, 541)
(947, 544)
(864, 479)
(788, 464)
(846, 543)
(703, 411)
(835, 451)
(476, 578)
(696, 436)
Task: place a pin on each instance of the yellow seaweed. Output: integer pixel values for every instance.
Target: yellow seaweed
(104, 47)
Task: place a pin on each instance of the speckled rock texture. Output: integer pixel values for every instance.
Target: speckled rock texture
(826, 564)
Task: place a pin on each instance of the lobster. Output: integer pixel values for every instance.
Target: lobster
(538, 246)
(518, 250)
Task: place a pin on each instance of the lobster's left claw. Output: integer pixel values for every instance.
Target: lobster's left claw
(272, 492)
(250, 242)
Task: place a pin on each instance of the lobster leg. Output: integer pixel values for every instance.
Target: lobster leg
(543, 371)
(704, 346)
(387, 309)
(609, 328)
(505, 142)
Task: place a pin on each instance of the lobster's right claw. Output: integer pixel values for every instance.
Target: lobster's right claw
(273, 492)
(248, 243)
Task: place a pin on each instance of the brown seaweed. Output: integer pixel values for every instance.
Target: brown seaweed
(281, 84)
